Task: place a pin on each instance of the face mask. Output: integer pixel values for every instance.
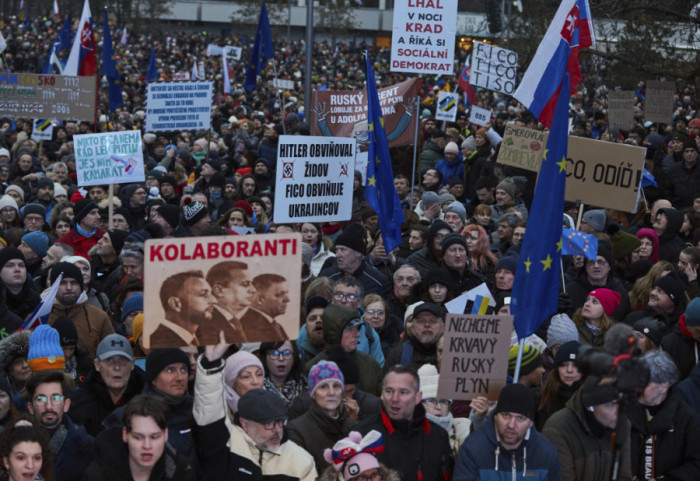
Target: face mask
(215, 195)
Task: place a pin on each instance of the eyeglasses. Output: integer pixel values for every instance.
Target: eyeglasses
(375, 476)
(54, 398)
(339, 296)
(444, 403)
(373, 312)
(286, 354)
(274, 424)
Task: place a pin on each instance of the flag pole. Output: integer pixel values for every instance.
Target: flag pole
(415, 143)
(518, 361)
(563, 282)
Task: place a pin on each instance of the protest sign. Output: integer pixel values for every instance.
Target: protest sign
(474, 356)
(42, 129)
(447, 106)
(658, 101)
(343, 113)
(621, 109)
(178, 106)
(231, 52)
(479, 116)
(110, 158)
(423, 38)
(473, 301)
(283, 84)
(522, 147)
(181, 76)
(494, 68)
(63, 97)
(314, 179)
(246, 285)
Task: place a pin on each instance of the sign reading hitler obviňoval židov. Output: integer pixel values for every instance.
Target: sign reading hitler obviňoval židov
(109, 158)
(314, 179)
(178, 106)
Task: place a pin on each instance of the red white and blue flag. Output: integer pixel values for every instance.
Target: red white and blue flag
(228, 74)
(463, 83)
(81, 60)
(41, 313)
(570, 30)
(195, 73)
(55, 8)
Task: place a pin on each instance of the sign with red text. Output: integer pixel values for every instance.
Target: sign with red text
(423, 39)
(246, 286)
(493, 68)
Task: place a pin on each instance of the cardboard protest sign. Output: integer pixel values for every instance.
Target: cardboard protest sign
(494, 68)
(314, 179)
(343, 113)
(479, 116)
(178, 106)
(246, 285)
(658, 101)
(42, 129)
(423, 38)
(447, 106)
(604, 174)
(110, 158)
(474, 356)
(62, 97)
(621, 108)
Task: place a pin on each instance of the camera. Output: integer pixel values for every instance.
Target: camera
(632, 376)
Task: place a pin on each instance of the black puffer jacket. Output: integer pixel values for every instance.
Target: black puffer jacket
(9, 321)
(670, 242)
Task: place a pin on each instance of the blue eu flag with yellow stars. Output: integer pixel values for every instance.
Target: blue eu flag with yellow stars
(262, 50)
(537, 277)
(577, 243)
(109, 69)
(380, 192)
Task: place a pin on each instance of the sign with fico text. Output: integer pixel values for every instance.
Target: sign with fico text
(109, 158)
(493, 68)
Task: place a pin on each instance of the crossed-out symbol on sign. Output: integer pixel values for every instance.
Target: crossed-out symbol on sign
(288, 170)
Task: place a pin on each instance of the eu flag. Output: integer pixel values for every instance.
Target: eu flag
(380, 192)
(577, 243)
(53, 64)
(109, 69)
(152, 74)
(262, 50)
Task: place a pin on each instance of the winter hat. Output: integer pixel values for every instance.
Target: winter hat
(347, 365)
(532, 359)
(469, 144)
(37, 241)
(437, 134)
(446, 197)
(437, 275)
(114, 345)
(67, 333)
(605, 252)
(561, 330)
(454, 238)
(83, 208)
(451, 148)
(567, 352)
(623, 243)
(516, 398)
(4, 152)
(202, 143)
(508, 186)
(193, 213)
(596, 218)
(692, 312)
(608, 298)
(117, 237)
(355, 454)
(69, 270)
(234, 365)
(8, 201)
(262, 406)
(59, 190)
(410, 309)
(159, 359)
(137, 327)
(645, 233)
(170, 213)
(45, 350)
(315, 302)
(592, 394)
(324, 372)
(652, 328)
(428, 307)
(672, 285)
(520, 182)
(33, 209)
(429, 377)
(133, 303)
(168, 179)
(508, 263)
(429, 199)
(15, 188)
(353, 237)
(9, 253)
(245, 206)
(345, 316)
(458, 209)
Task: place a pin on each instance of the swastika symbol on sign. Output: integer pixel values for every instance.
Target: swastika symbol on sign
(287, 170)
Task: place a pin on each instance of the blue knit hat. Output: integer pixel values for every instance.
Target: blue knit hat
(324, 371)
(133, 303)
(37, 241)
(45, 350)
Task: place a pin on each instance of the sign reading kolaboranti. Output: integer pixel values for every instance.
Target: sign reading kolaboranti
(111, 158)
(474, 356)
(423, 39)
(494, 68)
(63, 97)
(178, 106)
(314, 179)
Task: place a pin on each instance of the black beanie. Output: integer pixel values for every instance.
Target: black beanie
(67, 333)
(83, 208)
(9, 253)
(353, 237)
(117, 237)
(516, 398)
(127, 215)
(159, 359)
(593, 394)
(438, 275)
(454, 238)
(673, 285)
(68, 270)
(5, 386)
(170, 213)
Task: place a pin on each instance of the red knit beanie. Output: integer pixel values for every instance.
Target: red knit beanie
(608, 298)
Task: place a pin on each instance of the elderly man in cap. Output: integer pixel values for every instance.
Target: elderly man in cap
(421, 344)
(508, 446)
(594, 221)
(429, 207)
(254, 444)
(85, 234)
(455, 257)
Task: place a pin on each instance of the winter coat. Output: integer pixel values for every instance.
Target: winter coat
(371, 279)
(80, 244)
(482, 458)
(75, 453)
(419, 354)
(460, 284)
(92, 323)
(579, 288)
(670, 242)
(315, 431)
(112, 461)
(583, 455)
(672, 436)
(9, 321)
(321, 256)
(429, 156)
(226, 451)
(418, 449)
(681, 184)
(449, 169)
(458, 430)
(23, 303)
(689, 389)
(682, 347)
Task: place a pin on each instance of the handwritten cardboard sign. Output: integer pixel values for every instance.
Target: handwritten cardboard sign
(522, 147)
(474, 356)
(494, 68)
(658, 101)
(109, 158)
(621, 108)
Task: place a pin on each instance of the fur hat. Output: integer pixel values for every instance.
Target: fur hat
(14, 346)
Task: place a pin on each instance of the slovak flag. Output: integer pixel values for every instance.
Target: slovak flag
(228, 74)
(557, 55)
(464, 83)
(81, 60)
(41, 313)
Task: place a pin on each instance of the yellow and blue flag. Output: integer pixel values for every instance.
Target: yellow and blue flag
(577, 243)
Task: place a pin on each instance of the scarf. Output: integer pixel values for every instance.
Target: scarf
(83, 232)
(445, 422)
(170, 399)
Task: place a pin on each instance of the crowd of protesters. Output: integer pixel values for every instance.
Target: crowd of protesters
(363, 371)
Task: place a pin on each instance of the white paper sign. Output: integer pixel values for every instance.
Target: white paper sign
(178, 106)
(279, 83)
(458, 305)
(43, 129)
(314, 179)
(423, 39)
(233, 53)
(494, 68)
(110, 158)
(181, 76)
(479, 116)
(447, 106)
